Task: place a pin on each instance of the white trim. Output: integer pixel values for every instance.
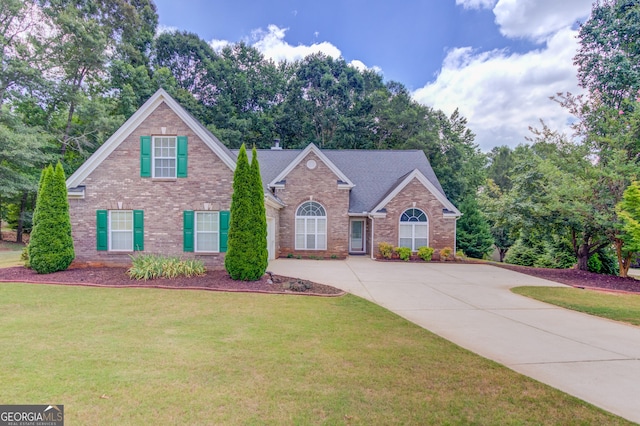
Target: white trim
(426, 224)
(109, 231)
(134, 121)
(315, 233)
(373, 236)
(271, 238)
(347, 184)
(174, 158)
(75, 195)
(364, 235)
(378, 215)
(270, 200)
(195, 232)
(417, 174)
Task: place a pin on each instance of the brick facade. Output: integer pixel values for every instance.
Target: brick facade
(115, 183)
(117, 179)
(321, 185)
(441, 229)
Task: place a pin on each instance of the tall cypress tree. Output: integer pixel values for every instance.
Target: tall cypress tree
(244, 258)
(51, 245)
(262, 255)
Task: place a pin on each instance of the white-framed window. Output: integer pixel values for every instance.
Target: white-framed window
(121, 230)
(207, 232)
(414, 229)
(164, 151)
(311, 227)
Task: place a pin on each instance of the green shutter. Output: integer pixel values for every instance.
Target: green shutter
(182, 156)
(187, 230)
(145, 156)
(102, 230)
(138, 230)
(224, 230)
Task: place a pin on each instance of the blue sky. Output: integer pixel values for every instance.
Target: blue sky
(498, 61)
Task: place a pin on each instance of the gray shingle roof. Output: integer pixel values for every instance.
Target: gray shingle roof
(374, 173)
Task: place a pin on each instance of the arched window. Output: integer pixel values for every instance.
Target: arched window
(311, 227)
(414, 229)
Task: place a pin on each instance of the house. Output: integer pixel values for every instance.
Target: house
(162, 184)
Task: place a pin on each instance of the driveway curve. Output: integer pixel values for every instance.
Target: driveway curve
(594, 359)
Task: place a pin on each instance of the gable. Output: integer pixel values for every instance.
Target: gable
(309, 158)
(174, 116)
(449, 210)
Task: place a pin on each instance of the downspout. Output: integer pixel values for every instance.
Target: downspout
(372, 236)
(455, 235)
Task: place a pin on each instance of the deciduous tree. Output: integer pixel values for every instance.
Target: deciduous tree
(629, 213)
(608, 59)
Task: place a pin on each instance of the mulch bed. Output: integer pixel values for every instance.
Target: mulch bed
(213, 280)
(579, 279)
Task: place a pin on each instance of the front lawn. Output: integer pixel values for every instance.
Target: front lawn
(10, 254)
(615, 306)
(141, 356)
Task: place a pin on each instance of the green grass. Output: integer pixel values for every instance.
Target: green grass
(619, 307)
(10, 254)
(141, 356)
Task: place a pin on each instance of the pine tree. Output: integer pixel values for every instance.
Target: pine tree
(247, 239)
(51, 246)
(473, 232)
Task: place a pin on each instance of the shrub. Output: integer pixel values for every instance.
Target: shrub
(425, 253)
(445, 253)
(51, 246)
(460, 254)
(386, 250)
(152, 266)
(24, 256)
(603, 262)
(609, 261)
(404, 253)
(594, 264)
(522, 254)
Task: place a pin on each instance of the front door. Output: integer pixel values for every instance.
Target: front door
(356, 236)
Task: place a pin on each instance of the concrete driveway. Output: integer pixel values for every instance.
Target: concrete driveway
(594, 359)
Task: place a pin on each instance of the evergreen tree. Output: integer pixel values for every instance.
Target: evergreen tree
(247, 242)
(51, 245)
(473, 234)
(262, 255)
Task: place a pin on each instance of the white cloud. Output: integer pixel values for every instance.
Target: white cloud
(272, 45)
(502, 93)
(476, 4)
(218, 45)
(537, 19)
(360, 66)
